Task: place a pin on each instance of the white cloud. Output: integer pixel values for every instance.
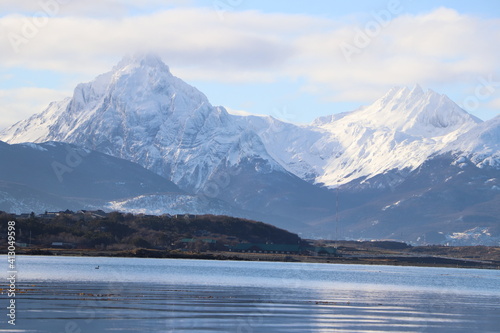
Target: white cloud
(19, 104)
(441, 46)
(190, 38)
(436, 48)
(101, 8)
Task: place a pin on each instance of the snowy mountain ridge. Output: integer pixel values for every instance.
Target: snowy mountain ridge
(399, 131)
(481, 144)
(409, 164)
(140, 112)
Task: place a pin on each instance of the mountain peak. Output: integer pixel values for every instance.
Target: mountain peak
(417, 111)
(416, 90)
(399, 93)
(139, 92)
(414, 114)
(141, 60)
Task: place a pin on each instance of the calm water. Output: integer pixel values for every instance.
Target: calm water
(67, 294)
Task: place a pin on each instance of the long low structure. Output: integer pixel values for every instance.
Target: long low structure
(281, 249)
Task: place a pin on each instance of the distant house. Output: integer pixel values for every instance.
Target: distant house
(91, 214)
(49, 215)
(282, 249)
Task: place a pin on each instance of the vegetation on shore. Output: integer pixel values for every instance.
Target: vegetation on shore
(212, 237)
(118, 231)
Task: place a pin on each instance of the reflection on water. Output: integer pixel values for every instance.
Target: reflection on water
(154, 295)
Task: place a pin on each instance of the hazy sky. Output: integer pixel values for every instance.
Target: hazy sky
(295, 60)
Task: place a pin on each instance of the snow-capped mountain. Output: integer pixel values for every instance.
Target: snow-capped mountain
(481, 144)
(141, 112)
(409, 152)
(399, 131)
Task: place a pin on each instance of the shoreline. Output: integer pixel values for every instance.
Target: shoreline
(393, 259)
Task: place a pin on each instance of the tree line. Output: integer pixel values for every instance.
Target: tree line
(125, 231)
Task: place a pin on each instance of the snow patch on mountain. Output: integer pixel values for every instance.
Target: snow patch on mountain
(19, 205)
(159, 204)
(471, 237)
(480, 145)
(34, 146)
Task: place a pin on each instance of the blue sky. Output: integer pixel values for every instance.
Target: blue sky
(294, 60)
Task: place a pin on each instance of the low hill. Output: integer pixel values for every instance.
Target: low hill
(119, 231)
